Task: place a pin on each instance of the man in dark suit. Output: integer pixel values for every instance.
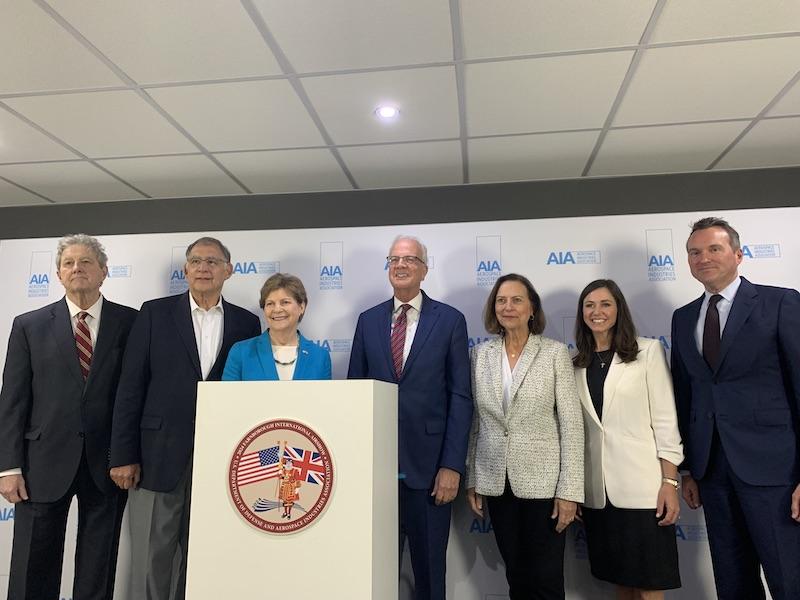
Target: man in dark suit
(175, 342)
(421, 345)
(736, 369)
(59, 385)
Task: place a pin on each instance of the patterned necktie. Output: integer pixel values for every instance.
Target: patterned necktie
(711, 335)
(399, 340)
(83, 342)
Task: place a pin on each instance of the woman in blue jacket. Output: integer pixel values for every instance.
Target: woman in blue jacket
(281, 352)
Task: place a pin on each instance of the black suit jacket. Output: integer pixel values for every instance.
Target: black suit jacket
(47, 413)
(157, 396)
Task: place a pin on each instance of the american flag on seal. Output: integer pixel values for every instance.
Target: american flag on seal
(258, 466)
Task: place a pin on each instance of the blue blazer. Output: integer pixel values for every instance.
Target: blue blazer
(753, 396)
(434, 396)
(157, 392)
(252, 360)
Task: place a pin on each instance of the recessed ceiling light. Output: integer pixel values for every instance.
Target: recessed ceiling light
(387, 112)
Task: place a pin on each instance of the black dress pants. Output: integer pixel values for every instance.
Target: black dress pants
(532, 550)
(37, 551)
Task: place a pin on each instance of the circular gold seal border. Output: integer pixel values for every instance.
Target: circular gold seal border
(319, 506)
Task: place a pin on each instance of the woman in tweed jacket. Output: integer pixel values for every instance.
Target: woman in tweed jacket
(526, 446)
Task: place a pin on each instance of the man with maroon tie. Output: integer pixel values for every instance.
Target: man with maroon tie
(59, 385)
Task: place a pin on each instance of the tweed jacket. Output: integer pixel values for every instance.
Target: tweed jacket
(539, 441)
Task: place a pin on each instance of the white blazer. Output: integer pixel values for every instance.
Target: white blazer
(539, 441)
(639, 427)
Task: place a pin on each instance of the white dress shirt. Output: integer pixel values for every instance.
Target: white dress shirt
(208, 326)
(723, 308)
(412, 319)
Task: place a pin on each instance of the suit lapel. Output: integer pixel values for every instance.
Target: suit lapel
(586, 397)
(615, 371)
(65, 338)
(743, 304)
(385, 332)
(428, 315)
(496, 358)
(529, 352)
(182, 315)
(265, 356)
(690, 316)
(109, 329)
(303, 365)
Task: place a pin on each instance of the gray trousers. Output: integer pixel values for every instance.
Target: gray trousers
(159, 526)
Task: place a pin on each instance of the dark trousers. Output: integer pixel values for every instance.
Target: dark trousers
(532, 550)
(749, 526)
(37, 551)
(427, 528)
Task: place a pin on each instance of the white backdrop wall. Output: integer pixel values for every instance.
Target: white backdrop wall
(344, 272)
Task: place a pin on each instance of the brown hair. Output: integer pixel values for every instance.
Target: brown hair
(284, 281)
(624, 336)
(709, 222)
(536, 323)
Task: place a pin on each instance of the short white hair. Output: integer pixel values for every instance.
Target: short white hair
(81, 239)
(418, 241)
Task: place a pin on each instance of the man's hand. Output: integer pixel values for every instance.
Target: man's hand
(564, 511)
(691, 493)
(475, 502)
(445, 487)
(796, 503)
(126, 477)
(12, 488)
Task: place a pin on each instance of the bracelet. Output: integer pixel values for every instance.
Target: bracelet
(669, 480)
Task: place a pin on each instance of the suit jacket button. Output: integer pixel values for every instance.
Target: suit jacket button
(709, 415)
(80, 434)
(505, 433)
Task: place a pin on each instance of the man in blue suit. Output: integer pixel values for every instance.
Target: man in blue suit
(421, 345)
(736, 369)
(175, 342)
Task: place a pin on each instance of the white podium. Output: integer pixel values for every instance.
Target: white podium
(349, 551)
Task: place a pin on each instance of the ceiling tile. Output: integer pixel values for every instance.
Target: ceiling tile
(11, 195)
(693, 20)
(789, 104)
(68, 182)
(240, 116)
(39, 55)
(173, 176)
(518, 27)
(21, 142)
(280, 171)
(526, 157)
(666, 149)
(324, 36)
(399, 165)
(186, 40)
(104, 123)
(545, 94)
(771, 143)
(426, 98)
(714, 81)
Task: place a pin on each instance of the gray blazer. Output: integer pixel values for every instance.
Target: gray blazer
(539, 443)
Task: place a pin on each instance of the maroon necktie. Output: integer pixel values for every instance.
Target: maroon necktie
(711, 334)
(399, 339)
(83, 342)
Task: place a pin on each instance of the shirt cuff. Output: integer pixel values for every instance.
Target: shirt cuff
(11, 472)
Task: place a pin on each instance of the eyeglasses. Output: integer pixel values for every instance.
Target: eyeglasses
(411, 261)
(195, 261)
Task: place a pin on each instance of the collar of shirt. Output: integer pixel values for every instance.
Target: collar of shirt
(723, 309)
(415, 302)
(728, 293)
(93, 310)
(195, 306)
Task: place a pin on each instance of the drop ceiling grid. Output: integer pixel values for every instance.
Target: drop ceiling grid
(429, 32)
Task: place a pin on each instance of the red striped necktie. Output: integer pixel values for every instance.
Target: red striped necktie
(399, 339)
(83, 342)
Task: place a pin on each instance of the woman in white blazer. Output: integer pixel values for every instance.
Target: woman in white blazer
(633, 447)
(526, 445)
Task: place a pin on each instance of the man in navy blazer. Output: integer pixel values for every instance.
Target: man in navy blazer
(175, 343)
(55, 425)
(736, 369)
(430, 365)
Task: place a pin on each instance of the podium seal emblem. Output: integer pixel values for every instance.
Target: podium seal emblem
(281, 476)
